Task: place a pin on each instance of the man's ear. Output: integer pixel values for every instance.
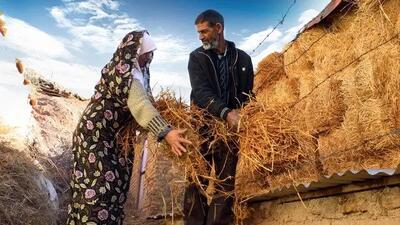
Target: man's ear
(219, 27)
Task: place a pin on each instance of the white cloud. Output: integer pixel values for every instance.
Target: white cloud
(307, 16)
(251, 42)
(274, 47)
(278, 43)
(177, 82)
(15, 110)
(50, 56)
(29, 40)
(97, 23)
(170, 49)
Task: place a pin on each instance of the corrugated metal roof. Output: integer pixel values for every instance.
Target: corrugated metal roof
(334, 4)
(337, 179)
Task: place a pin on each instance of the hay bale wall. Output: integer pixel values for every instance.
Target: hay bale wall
(350, 113)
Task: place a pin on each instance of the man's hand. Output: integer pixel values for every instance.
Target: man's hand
(233, 118)
(175, 140)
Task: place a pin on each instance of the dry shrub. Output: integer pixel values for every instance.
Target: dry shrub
(297, 63)
(173, 178)
(22, 200)
(181, 116)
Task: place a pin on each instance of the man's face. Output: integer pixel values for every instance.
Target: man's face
(208, 35)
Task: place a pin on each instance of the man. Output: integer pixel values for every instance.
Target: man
(221, 77)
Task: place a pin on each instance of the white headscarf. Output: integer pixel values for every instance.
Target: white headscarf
(147, 45)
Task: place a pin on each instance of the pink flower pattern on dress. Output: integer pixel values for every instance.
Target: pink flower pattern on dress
(90, 193)
(89, 125)
(102, 215)
(106, 144)
(105, 70)
(110, 176)
(121, 161)
(78, 174)
(122, 68)
(92, 157)
(108, 115)
(97, 95)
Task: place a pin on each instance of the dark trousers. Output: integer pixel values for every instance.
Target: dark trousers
(219, 212)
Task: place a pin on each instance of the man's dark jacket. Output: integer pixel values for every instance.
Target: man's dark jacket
(204, 79)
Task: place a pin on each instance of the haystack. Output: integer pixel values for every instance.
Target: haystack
(272, 84)
(366, 137)
(342, 94)
(23, 198)
(273, 150)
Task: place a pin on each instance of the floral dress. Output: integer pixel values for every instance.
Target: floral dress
(101, 173)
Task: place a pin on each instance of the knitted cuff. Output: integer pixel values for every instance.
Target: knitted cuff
(157, 126)
(224, 113)
(164, 133)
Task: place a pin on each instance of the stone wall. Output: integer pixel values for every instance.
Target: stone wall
(375, 206)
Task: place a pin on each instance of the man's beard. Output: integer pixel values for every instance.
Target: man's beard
(210, 45)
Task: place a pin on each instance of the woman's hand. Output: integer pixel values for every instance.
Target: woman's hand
(176, 141)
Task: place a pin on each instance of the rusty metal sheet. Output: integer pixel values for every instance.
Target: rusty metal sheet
(333, 180)
(334, 4)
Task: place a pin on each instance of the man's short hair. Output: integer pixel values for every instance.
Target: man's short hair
(211, 16)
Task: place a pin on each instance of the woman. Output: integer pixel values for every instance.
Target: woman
(101, 174)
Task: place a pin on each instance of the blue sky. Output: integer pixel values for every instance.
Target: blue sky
(69, 41)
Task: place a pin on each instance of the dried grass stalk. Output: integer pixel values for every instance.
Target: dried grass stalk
(22, 200)
(272, 147)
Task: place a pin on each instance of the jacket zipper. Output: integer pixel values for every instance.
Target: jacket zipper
(215, 73)
(233, 76)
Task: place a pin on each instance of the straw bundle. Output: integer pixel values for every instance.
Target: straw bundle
(181, 117)
(370, 90)
(324, 109)
(273, 147)
(193, 119)
(272, 84)
(269, 70)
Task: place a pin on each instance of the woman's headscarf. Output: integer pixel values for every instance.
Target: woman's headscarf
(143, 75)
